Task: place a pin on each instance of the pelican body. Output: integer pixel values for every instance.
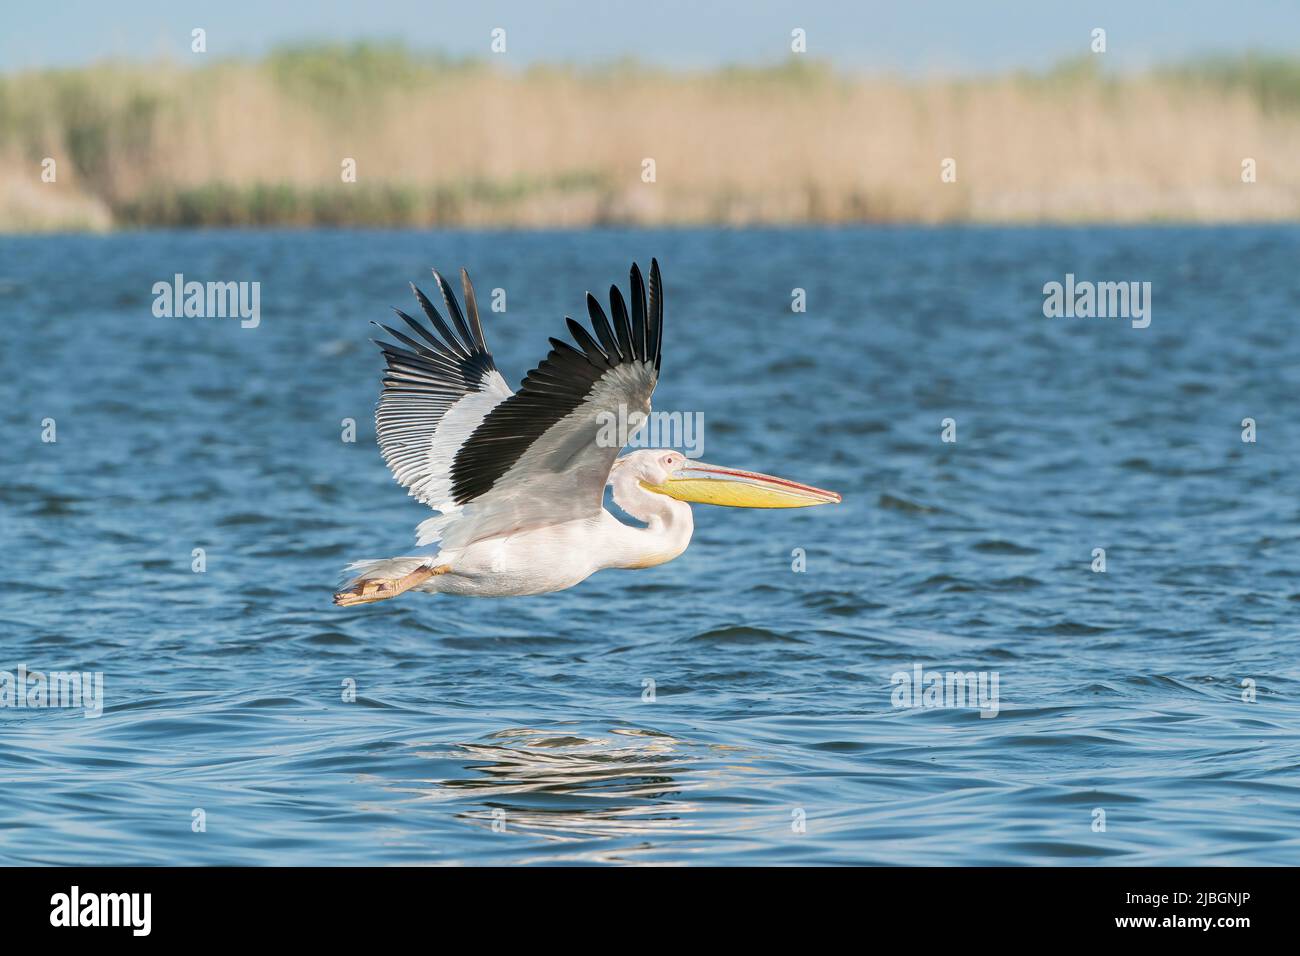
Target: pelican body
(518, 478)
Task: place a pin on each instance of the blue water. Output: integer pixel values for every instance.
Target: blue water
(515, 731)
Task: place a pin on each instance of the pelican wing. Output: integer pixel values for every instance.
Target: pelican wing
(437, 390)
(543, 455)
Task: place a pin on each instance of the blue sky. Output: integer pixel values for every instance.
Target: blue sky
(911, 36)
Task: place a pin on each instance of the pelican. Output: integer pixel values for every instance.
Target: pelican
(518, 478)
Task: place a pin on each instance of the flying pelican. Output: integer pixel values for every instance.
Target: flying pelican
(518, 478)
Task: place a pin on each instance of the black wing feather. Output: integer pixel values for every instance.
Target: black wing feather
(471, 307)
(433, 345)
(453, 309)
(559, 385)
(622, 325)
(638, 311)
(448, 336)
(656, 312)
(601, 326)
(589, 345)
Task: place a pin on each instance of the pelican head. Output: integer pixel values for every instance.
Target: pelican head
(671, 473)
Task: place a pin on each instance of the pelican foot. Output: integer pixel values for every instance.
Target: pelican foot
(381, 589)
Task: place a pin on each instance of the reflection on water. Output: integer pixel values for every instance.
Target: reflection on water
(566, 787)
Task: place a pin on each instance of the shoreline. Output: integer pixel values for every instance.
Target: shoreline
(378, 136)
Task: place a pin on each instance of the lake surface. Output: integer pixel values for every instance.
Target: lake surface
(1158, 698)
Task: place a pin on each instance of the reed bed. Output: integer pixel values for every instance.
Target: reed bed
(444, 142)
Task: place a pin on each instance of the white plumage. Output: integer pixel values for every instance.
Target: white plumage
(518, 478)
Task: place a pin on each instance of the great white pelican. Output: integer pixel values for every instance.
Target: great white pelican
(518, 478)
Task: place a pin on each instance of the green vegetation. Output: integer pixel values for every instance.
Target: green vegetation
(1272, 81)
(284, 204)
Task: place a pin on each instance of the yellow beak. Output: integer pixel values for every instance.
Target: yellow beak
(712, 485)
